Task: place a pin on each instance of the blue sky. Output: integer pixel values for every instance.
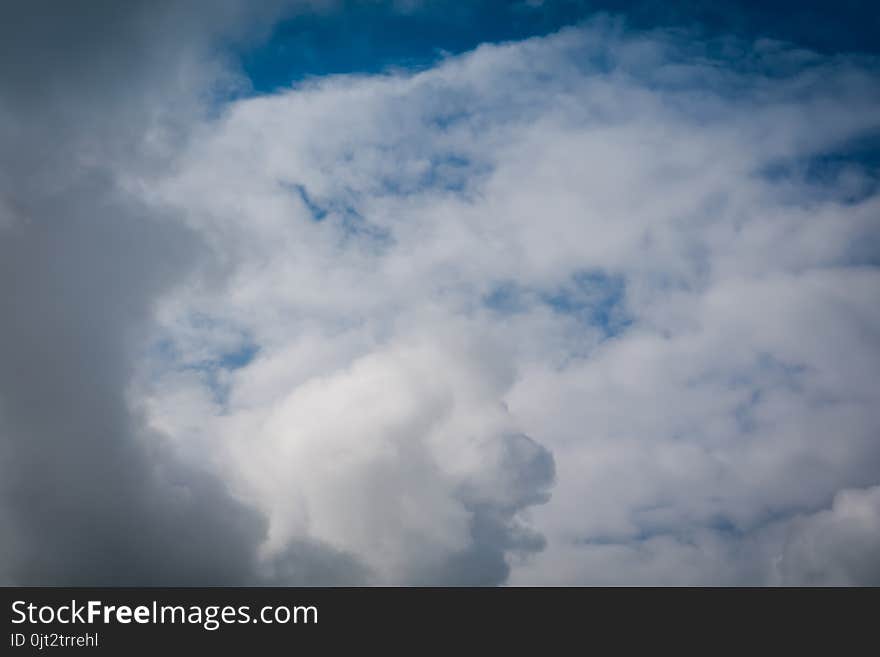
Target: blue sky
(359, 37)
(368, 37)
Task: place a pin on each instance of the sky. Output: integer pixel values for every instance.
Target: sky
(439, 293)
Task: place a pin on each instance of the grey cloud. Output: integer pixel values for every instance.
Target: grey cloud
(308, 562)
(528, 472)
(88, 494)
(839, 546)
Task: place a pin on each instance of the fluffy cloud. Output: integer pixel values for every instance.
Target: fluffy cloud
(836, 547)
(591, 308)
(655, 262)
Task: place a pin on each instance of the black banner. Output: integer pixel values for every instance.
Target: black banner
(268, 620)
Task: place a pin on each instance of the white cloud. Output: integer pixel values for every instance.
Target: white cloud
(837, 546)
(365, 226)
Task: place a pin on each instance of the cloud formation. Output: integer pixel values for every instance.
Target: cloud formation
(89, 495)
(597, 307)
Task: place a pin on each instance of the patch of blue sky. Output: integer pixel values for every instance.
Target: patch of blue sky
(744, 413)
(214, 371)
(446, 173)
(235, 358)
(660, 520)
(760, 373)
(663, 520)
(239, 357)
(317, 210)
(365, 233)
(369, 37)
(342, 210)
(647, 528)
(508, 298)
(320, 207)
(213, 367)
(593, 298)
(848, 173)
(449, 172)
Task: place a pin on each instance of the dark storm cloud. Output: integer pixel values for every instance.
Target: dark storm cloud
(88, 495)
